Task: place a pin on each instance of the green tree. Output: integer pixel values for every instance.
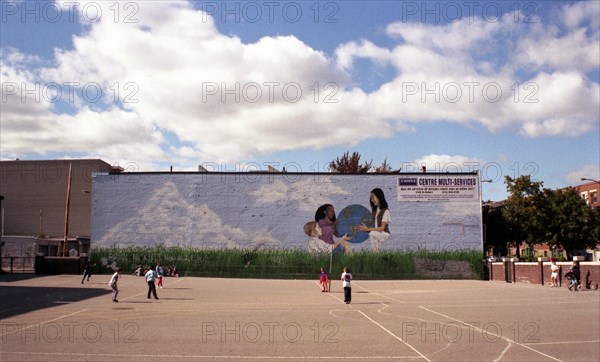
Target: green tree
(496, 229)
(522, 211)
(385, 168)
(570, 223)
(349, 164)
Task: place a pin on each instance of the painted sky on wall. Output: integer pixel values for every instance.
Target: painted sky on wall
(215, 211)
(510, 88)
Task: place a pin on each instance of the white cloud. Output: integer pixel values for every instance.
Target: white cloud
(454, 73)
(453, 38)
(576, 50)
(575, 15)
(224, 100)
(29, 124)
(560, 104)
(450, 163)
(586, 171)
(346, 53)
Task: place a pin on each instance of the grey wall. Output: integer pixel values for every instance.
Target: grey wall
(231, 210)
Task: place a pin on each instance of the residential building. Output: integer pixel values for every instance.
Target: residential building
(589, 192)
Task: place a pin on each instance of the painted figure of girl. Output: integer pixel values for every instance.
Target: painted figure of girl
(325, 217)
(380, 233)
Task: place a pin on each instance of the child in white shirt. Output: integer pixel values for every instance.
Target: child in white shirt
(113, 284)
(347, 284)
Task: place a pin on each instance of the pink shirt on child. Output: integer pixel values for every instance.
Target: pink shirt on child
(328, 232)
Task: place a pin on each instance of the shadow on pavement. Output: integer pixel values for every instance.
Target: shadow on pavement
(18, 300)
(17, 277)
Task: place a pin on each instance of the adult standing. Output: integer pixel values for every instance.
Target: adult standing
(379, 207)
(150, 277)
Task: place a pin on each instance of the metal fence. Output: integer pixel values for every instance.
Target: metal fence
(18, 264)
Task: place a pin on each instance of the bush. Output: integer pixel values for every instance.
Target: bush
(293, 264)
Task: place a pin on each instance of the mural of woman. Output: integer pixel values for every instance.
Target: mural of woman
(325, 217)
(381, 232)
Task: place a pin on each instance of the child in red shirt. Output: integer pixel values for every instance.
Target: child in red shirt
(323, 280)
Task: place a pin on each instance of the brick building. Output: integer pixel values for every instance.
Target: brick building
(589, 192)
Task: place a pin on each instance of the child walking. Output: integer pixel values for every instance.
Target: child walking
(323, 280)
(160, 272)
(347, 284)
(113, 284)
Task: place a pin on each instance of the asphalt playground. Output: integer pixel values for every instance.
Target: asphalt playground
(45, 318)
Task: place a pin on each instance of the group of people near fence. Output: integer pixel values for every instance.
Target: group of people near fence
(167, 271)
(154, 277)
(573, 275)
(152, 274)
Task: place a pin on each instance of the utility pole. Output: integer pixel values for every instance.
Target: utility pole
(65, 245)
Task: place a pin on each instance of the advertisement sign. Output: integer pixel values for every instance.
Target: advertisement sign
(438, 187)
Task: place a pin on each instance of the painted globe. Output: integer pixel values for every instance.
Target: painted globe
(350, 217)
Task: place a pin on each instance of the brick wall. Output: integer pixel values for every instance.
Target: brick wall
(497, 273)
(539, 273)
(590, 276)
(528, 273)
(562, 269)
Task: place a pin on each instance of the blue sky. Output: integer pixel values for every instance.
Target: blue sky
(510, 88)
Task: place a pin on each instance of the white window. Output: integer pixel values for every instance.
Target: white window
(584, 195)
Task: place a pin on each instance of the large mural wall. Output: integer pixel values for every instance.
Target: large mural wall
(246, 210)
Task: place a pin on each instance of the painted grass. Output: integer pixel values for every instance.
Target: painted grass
(294, 264)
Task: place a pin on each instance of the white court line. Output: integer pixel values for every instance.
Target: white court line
(429, 310)
(39, 324)
(382, 327)
(381, 295)
(508, 345)
(499, 336)
(329, 292)
(385, 329)
(319, 284)
(395, 336)
(146, 292)
(170, 356)
(374, 293)
(569, 342)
